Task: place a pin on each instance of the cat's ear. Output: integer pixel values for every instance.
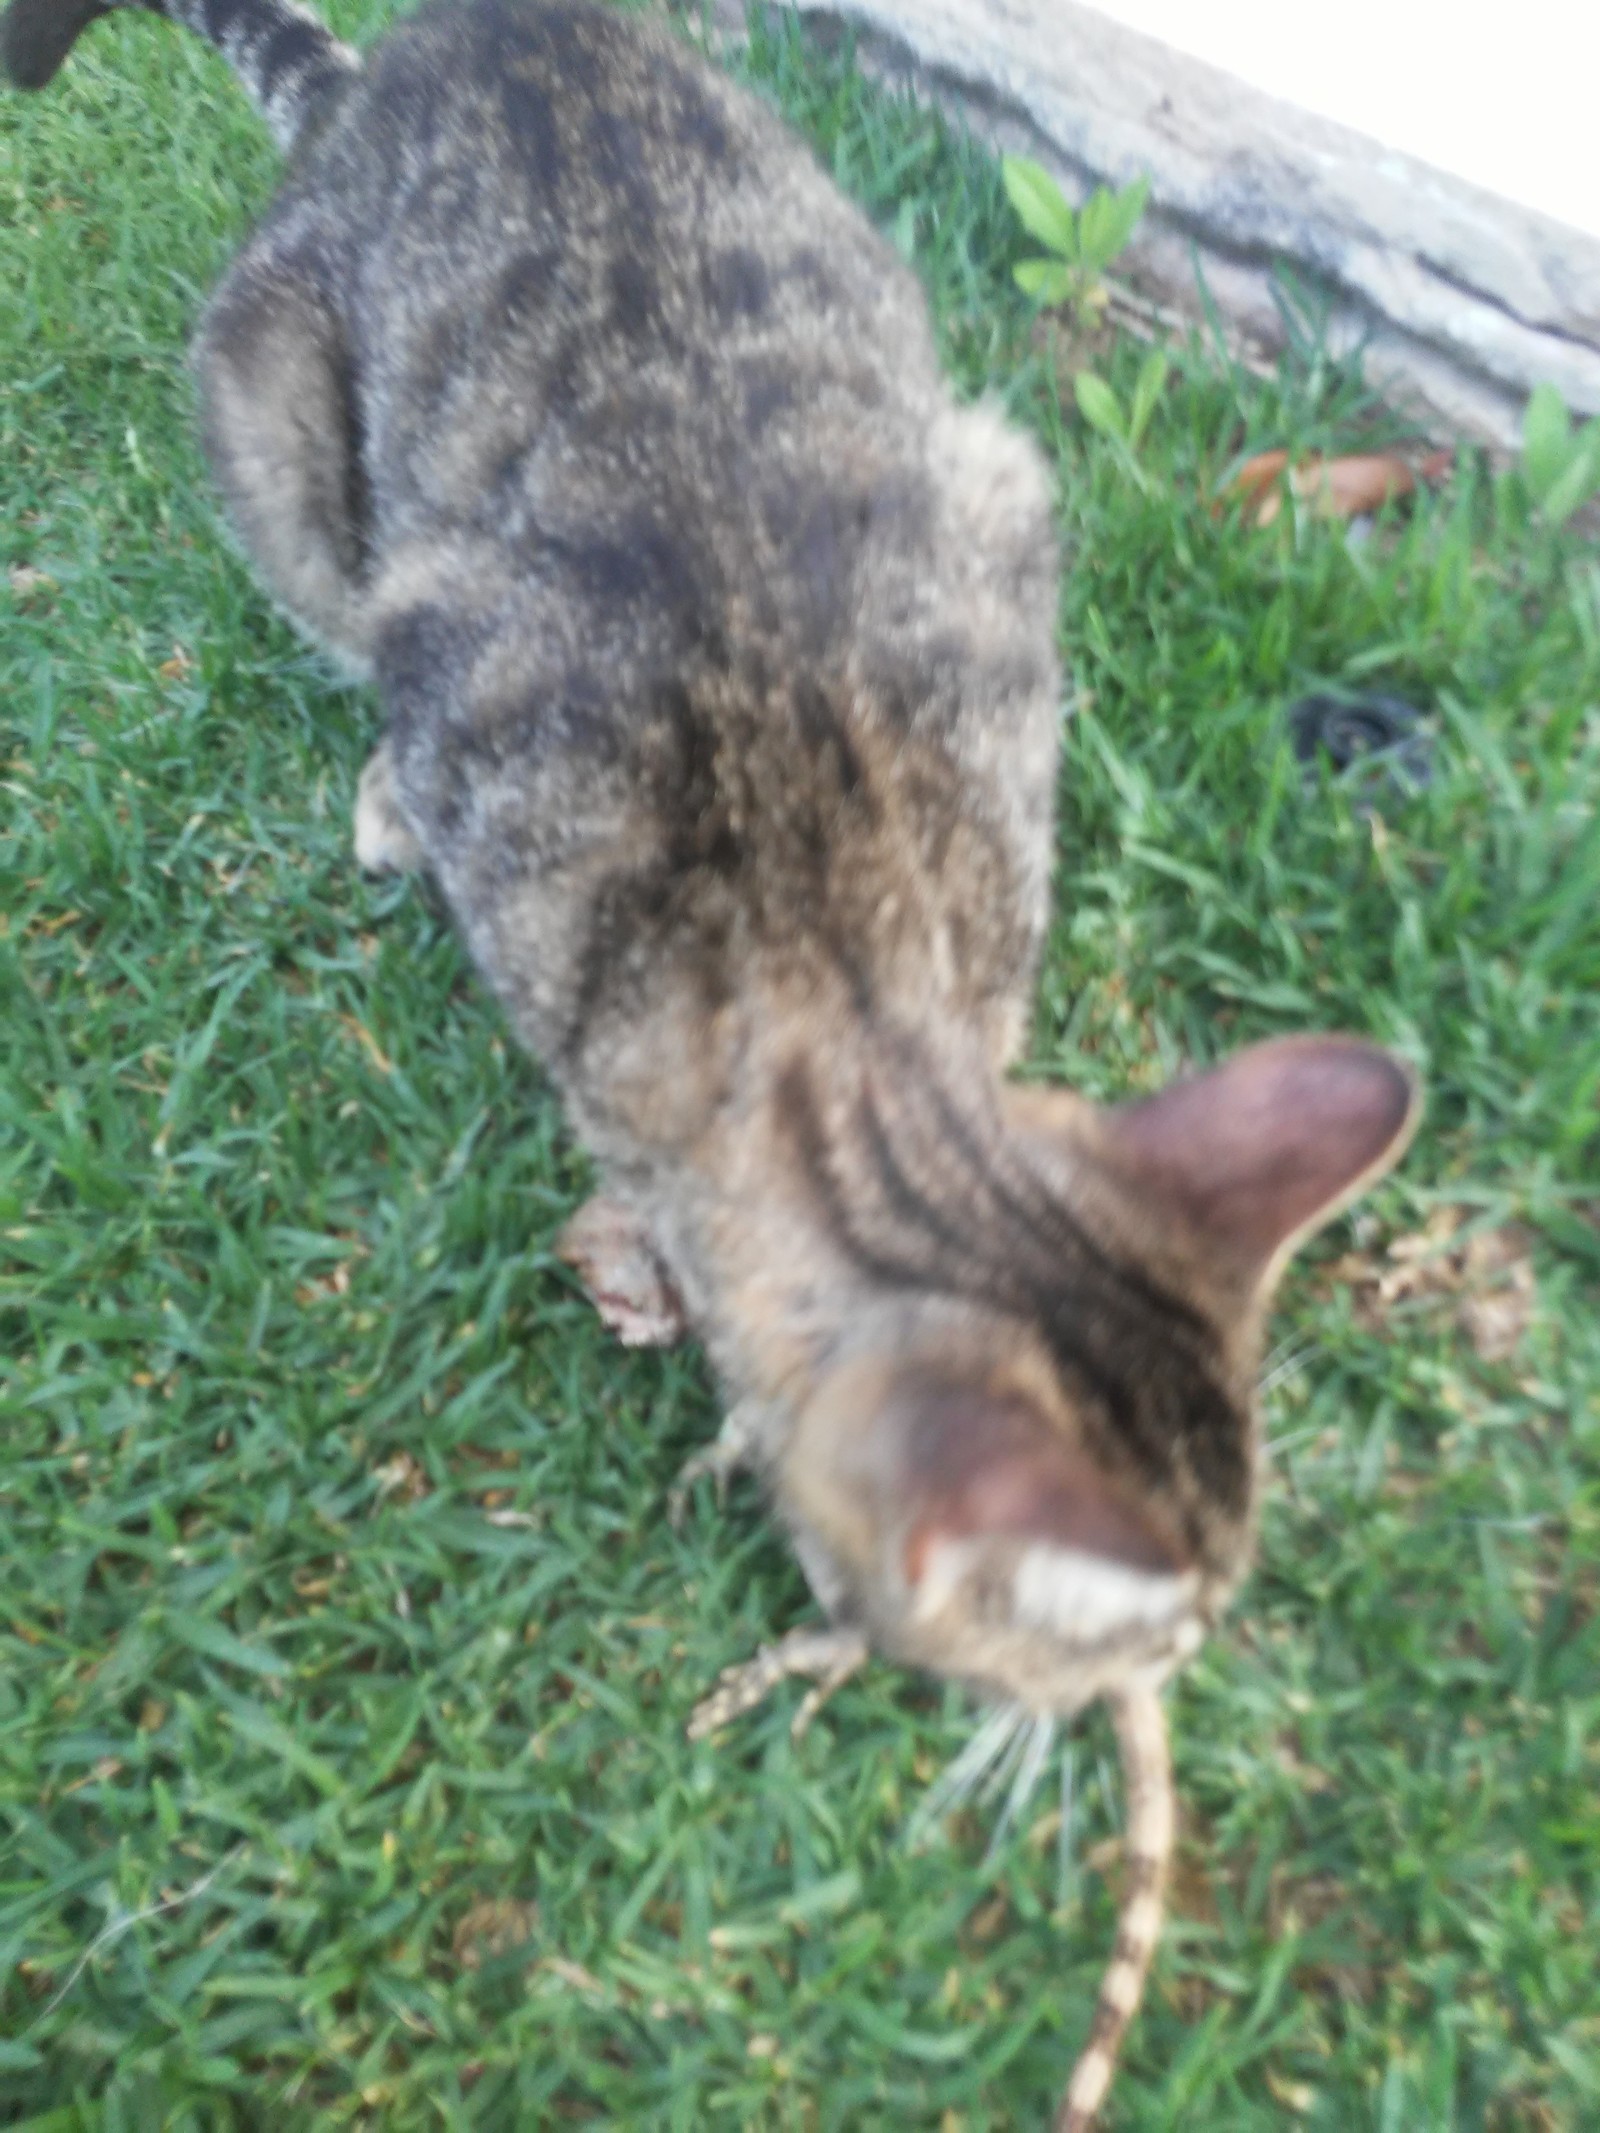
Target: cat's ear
(1265, 1148)
(981, 1467)
(936, 1485)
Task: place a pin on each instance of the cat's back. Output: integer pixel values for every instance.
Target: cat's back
(551, 224)
(710, 627)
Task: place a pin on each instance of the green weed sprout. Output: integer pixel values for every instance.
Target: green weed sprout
(1079, 244)
(1560, 465)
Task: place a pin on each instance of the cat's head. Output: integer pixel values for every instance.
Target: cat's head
(1047, 1484)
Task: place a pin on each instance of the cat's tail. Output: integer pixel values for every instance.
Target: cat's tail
(286, 59)
(1151, 1815)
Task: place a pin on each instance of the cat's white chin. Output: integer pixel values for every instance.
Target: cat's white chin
(1087, 1599)
(1068, 1594)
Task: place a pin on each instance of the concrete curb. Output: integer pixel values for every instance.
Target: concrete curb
(1461, 300)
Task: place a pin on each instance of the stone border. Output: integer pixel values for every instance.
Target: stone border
(1462, 301)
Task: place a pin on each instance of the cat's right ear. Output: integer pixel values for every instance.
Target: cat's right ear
(1262, 1150)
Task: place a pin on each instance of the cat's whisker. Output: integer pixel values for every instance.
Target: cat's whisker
(1278, 1353)
(1281, 1370)
(1066, 1862)
(971, 1780)
(1036, 1753)
(1000, 1776)
(954, 1786)
(1278, 1445)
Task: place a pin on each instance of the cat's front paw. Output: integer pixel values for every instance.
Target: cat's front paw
(383, 839)
(732, 1448)
(611, 1250)
(828, 1656)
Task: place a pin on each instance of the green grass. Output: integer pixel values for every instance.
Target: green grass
(282, 1328)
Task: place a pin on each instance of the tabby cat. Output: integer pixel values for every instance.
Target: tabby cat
(560, 392)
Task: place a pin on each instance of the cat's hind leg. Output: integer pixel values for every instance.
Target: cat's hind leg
(385, 842)
(281, 418)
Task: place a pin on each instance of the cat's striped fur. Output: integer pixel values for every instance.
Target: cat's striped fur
(560, 391)
(1147, 1856)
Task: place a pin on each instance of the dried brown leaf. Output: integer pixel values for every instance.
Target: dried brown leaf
(1502, 1295)
(1258, 476)
(403, 1476)
(369, 1043)
(336, 1283)
(1296, 2096)
(1487, 1276)
(1346, 487)
(493, 1927)
(574, 1974)
(988, 1920)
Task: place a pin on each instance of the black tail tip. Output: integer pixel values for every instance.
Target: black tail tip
(37, 35)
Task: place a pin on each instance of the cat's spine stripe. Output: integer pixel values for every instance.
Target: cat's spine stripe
(925, 1250)
(917, 1159)
(1053, 1226)
(286, 59)
(1016, 1252)
(906, 1200)
(1149, 1414)
(1141, 1730)
(805, 1123)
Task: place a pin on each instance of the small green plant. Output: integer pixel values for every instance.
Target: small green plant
(1123, 426)
(1560, 465)
(1080, 243)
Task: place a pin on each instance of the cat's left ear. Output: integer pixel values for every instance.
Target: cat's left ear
(1262, 1150)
